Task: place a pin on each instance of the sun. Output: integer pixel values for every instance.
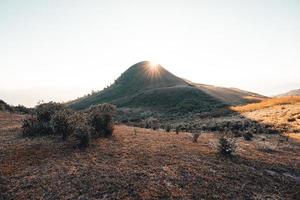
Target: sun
(153, 65)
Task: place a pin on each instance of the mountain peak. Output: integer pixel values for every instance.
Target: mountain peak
(150, 85)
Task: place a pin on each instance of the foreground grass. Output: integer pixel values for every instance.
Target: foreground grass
(145, 164)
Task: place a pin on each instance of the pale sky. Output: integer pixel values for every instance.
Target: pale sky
(62, 49)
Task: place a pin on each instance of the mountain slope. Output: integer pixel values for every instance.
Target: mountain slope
(151, 86)
(291, 93)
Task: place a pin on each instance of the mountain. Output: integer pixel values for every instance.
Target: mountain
(291, 93)
(148, 86)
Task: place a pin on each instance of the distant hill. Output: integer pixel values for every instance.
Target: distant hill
(291, 93)
(153, 87)
(5, 107)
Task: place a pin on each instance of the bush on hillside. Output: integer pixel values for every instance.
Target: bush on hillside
(30, 126)
(61, 123)
(45, 111)
(100, 119)
(195, 137)
(226, 146)
(56, 119)
(168, 128)
(40, 124)
(248, 136)
(178, 128)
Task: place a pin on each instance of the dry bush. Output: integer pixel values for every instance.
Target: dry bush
(100, 118)
(266, 104)
(55, 119)
(177, 129)
(151, 122)
(61, 123)
(226, 146)
(248, 136)
(45, 111)
(195, 137)
(168, 128)
(40, 123)
(30, 126)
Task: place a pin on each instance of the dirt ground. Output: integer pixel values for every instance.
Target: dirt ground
(145, 164)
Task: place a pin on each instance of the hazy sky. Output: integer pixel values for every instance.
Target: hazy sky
(62, 49)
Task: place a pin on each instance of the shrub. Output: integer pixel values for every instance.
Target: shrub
(151, 123)
(29, 126)
(61, 123)
(168, 128)
(100, 118)
(40, 124)
(195, 137)
(83, 137)
(226, 146)
(22, 109)
(178, 129)
(248, 136)
(45, 111)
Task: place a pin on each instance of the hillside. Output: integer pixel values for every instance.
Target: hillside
(153, 87)
(291, 93)
(145, 164)
(5, 107)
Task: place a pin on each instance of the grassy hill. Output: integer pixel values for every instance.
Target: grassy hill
(153, 87)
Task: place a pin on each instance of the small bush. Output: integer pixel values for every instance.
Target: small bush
(45, 111)
(226, 146)
(40, 124)
(29, 126)
(291, 119)
(195, 137)
(177, 129)
(61, 123)
(168, 128)
(100, 118)
(81, 134)
(248, 136)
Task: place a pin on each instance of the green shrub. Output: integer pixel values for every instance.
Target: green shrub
(226, 146)
(177, 129)
(100, 119)
(168, 128)
(61, 123)
(81, 133)
(248, 136)
(45, 111)
(41, 122)
(29, 126)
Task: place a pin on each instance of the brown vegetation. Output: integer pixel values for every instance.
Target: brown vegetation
(266, 104)
(145, 164)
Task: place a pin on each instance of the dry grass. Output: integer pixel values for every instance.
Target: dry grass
(266, 104)
(145, 164)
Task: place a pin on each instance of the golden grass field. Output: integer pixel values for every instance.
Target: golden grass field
(145, 164)
(266, 104)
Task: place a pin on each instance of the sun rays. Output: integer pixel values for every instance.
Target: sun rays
(153, 70)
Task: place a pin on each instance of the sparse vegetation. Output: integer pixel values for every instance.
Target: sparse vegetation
(248, 136)
(178, 129)
(195, 137)
(266, 104)
(100, 119)
(226, 146)
(56, 119)
(62, 124)
(168, 128)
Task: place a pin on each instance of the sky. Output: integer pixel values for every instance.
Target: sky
(58, 50)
